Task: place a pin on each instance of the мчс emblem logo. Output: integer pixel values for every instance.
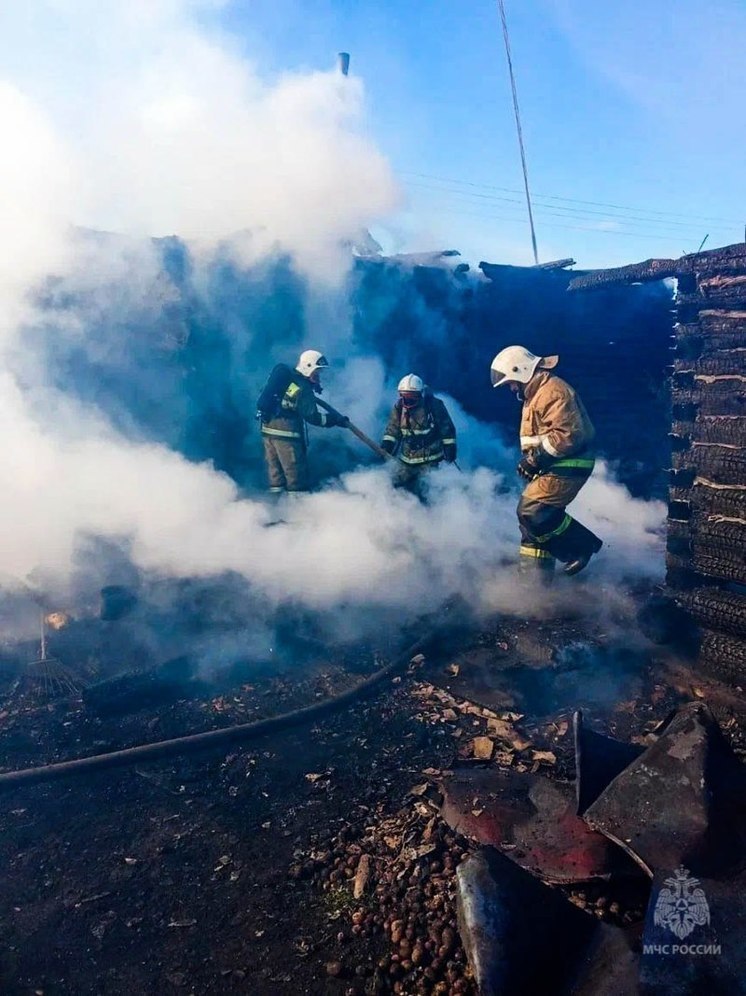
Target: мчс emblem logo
(682, 906)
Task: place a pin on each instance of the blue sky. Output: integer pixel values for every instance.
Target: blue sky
(637, 104)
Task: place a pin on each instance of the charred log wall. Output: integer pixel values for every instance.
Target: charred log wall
(614, 346)
(706, 558)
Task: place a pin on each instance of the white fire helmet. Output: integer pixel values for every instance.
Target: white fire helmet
(411, 383)
(311, 360)
(516, 363)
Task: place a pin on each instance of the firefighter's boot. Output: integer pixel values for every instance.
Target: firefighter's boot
(575, 545)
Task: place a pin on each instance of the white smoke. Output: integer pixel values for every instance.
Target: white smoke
(357, 544)
(128, 116)
(36, 180)
(173, 132)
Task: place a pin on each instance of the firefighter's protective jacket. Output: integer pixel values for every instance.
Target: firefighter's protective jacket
(297, 405)
(422, 435)
(554, 419)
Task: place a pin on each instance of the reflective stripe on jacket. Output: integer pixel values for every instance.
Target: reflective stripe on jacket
(420, 433)
(555, 419)
(298, 405)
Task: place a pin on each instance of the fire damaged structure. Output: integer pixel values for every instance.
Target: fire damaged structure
(201, 337)
(506, 805)
(706, 548)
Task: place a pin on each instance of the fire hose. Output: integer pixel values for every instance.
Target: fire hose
(370, 443)
(212, 738)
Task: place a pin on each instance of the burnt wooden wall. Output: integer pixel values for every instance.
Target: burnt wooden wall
(706, 550)
(706, 547)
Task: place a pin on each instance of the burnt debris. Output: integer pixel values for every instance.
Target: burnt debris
(521, 937)
(678, 808)
(680, 811)
(598, 760)
(535, 819)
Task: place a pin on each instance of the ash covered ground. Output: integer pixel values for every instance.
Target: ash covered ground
(315, 860)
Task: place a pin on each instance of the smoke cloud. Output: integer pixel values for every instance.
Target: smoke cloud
(173, 132)
(115, 349)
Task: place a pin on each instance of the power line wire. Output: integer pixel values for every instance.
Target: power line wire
(658, 237)
(562, 211)
(569, 200)
(506, 37)
(556, 207)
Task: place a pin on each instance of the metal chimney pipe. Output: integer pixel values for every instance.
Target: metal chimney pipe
(343, 62)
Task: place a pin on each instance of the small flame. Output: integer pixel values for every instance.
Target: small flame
(57, 620)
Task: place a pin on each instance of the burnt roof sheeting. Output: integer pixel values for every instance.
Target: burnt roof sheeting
(598, 760)
(680, 810)
(521, 936)
(535, 818)
(682, 801)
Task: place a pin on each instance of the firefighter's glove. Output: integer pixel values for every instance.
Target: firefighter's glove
(526, 468)
(389, 445)
(336, 419)
(535, 463)
(449, 452)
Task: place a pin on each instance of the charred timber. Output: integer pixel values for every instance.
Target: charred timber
(720, 464)
(680, 575)
(723, 611)
(556, 264)
(720, 534)
(726, 296)
(692, 560)
(718, 562)
(730, 259)
(699, 340)
(723, 654)
(709, 498)
(692, 397)
(730, 362)
(699, 348)
(714, 319)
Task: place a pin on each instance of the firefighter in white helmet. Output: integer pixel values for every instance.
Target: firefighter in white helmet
(419, 431)
(557, 459)
(285, 406)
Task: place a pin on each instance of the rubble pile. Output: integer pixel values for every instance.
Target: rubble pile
(677, 809)
(392, 885)
(354, 856)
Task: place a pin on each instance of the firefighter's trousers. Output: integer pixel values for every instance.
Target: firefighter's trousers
(411, 476)
(547, 531)
(287, 464)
